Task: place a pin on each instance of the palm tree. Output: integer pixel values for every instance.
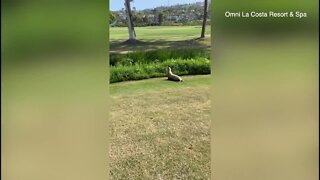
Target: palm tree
(204, 18)
(132, 34)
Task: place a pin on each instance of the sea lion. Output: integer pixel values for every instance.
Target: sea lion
(171, 76)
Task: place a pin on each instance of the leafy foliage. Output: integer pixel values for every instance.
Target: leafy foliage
(112, 16)
(150, 70)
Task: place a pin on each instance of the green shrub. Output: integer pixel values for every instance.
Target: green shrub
(151, 70)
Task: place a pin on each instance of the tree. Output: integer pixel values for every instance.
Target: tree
(145, 20)
(138, 18)
(160, 18)
(112, 16)
(205, 14)
(132, 34)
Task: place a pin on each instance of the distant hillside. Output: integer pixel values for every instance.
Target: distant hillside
(180, 14)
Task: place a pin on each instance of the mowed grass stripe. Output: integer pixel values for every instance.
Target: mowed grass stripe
(157, 84)
(162, 133)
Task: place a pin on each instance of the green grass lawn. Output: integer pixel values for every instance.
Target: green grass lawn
(156, 37)
(160, 129)
(159, 32)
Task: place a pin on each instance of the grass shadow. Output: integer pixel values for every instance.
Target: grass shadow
(120, 46)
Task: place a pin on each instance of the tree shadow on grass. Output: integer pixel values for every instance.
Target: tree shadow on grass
(120, 46)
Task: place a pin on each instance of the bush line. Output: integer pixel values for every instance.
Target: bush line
(151, 70)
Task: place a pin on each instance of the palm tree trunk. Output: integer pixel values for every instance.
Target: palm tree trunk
(132, 35)
(205, 14)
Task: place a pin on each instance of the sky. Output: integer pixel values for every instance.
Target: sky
(145, 4)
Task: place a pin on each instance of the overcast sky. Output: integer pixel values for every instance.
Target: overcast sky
(145, 4)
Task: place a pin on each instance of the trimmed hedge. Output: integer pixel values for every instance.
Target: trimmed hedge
(151, 70)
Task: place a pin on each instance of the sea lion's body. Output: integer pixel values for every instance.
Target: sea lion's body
(171, 76)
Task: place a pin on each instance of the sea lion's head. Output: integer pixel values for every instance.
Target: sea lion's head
(168, 70)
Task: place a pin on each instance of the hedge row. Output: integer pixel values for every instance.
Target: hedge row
(144, 71)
